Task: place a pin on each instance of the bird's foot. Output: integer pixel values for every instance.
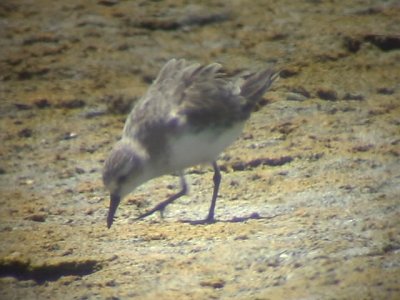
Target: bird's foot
(159, 207)
(208, 220)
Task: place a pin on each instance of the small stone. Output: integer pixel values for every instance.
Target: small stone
(29, 182)
(289, 72)
(300, 90)
(42, 103)
(94, 113)
(352, 44)
(69, 136)
(353, 96)
(111, 283)
(384, 42)
(119, 104)
(38, 217)
(362, 148)
(79, 170)
(25, 133)
(23, 106)
(213, 283)
(72, 104)
(241, 237)
(273, 162)
(327, 94)
(108, 2)
(295, 97)
(385, 91)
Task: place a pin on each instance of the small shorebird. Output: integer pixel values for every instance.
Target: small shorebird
(189, 115)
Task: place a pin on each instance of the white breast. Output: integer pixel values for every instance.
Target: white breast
(202, 147)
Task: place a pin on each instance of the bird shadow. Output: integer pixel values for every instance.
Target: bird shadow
(253, 216)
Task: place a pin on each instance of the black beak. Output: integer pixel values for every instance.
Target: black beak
(114, 202)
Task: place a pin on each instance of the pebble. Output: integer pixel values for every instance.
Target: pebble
(295, 97)
(353, 96)
(25, 133)
(327, 94)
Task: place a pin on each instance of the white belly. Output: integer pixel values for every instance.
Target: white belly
(202, 147)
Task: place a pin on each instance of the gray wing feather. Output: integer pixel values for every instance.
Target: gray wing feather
(255, 85)
(194, 94)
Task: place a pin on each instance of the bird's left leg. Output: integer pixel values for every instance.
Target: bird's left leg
(161, 206)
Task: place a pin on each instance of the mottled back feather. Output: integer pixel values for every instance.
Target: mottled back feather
(190, 97)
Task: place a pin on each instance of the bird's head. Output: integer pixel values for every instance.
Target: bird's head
(124, 170)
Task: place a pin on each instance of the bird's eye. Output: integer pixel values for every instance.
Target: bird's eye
(121, 178)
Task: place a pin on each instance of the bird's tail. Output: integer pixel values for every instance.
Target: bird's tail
(254, 86)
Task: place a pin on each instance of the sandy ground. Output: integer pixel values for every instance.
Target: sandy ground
(318, 162)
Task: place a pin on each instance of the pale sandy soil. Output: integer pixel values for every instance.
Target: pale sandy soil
(318, 162)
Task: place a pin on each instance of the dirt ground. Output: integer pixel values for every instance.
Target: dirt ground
(309, 202)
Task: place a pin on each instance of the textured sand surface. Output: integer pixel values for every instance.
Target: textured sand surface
(318, 163)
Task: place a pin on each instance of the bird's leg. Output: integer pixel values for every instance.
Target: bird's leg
(161, 206)
(210, 218)
(217, 181)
